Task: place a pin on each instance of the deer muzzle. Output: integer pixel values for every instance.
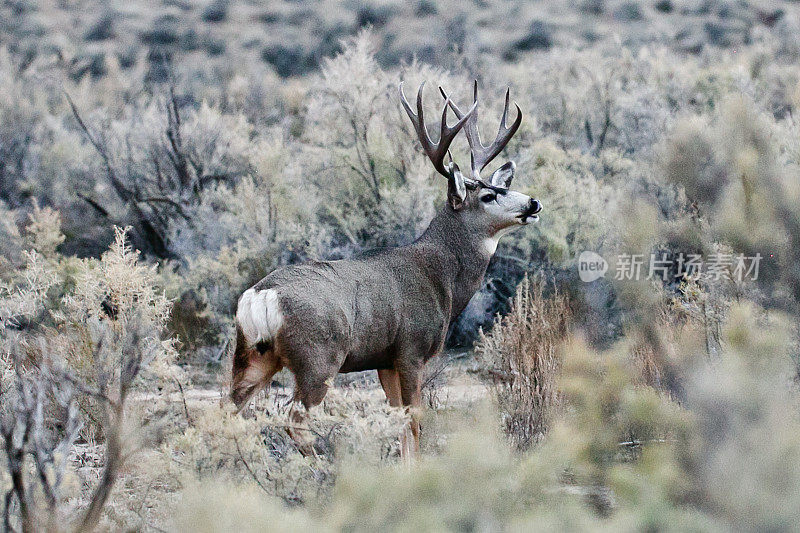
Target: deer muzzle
(531, 212)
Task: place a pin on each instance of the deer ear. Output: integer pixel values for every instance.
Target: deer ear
(456, 189)
(502, 176)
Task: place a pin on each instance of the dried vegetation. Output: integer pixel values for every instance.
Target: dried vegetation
(229, 138)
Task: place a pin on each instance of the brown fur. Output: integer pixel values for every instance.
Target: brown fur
(388, 311)
(252, 370)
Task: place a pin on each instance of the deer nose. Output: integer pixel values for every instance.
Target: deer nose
(535, 206)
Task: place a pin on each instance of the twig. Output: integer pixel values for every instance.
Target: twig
(247, 466)
(221, 352)
(86, 389)
(121, 190)
(7, 511)
(634, 443)
(183, 398)
(431, 378)
(138, 512)
(97, 207)
(461, 355)
(517, 260)
(85, 129)
(300, 428)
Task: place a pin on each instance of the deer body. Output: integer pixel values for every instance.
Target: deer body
(388, 311)
(363, 314)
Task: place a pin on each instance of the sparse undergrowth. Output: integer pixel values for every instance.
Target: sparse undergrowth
(231, 138)
(522, 357)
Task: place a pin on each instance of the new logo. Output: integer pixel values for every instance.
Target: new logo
(591, 266)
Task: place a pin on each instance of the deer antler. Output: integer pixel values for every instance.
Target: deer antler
(436, 152)
(482, 155)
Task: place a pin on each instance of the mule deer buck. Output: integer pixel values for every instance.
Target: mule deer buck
(388, 311)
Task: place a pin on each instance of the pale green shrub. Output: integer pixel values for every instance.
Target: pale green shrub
(218, 507)
(639, 135)
(256, 450)
(742, 187)
(376, 191)
(85, 335)
(736, 402)
(577, 205)
(620, 455)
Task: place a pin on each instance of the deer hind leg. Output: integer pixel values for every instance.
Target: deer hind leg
(252, 370)
(410, 380)
(390, 381)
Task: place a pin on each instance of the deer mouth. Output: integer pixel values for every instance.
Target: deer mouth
(531, 214)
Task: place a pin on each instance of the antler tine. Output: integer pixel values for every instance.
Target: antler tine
(422, 130)
(416, 118)
(504, 129)
(453, 105)
(482, 155)
(435, 152)
(505, 108)
(443, 127)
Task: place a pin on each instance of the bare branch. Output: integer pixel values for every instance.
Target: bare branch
(121, 190)
(101, 493)
(97, 207)
(247, 466)
(183, 399)
(15, 455)
(7, 511)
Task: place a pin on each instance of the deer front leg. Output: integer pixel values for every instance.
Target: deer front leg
(299, 430)
(410, 391)
(310, 389)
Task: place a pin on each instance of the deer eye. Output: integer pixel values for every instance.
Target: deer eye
(488, 198)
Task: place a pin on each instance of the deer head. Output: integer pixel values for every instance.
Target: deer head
(487, 207)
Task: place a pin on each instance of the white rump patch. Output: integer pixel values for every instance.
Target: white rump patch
(259, 315)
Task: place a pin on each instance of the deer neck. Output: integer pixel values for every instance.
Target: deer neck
(457, 254)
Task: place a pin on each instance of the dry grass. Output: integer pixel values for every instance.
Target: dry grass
(523, 359)
(682, 113)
